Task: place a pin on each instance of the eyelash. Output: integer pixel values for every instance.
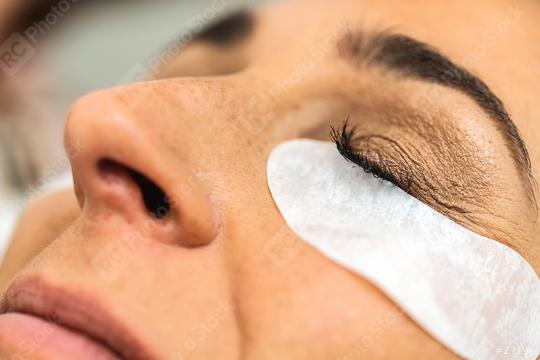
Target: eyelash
(344, 138)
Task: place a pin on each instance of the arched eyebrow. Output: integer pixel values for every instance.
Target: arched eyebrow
(229, 30)
(415, 59)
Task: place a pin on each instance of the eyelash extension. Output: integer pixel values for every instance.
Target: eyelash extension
(344, 138)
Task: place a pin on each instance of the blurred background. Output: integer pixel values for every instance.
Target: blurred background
(53, 52)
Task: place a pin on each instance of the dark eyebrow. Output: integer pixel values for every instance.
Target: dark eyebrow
(415, 59)
(229, 30)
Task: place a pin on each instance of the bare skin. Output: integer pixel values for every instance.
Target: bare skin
(211, 251)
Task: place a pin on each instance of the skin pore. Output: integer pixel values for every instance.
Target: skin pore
(202, 133)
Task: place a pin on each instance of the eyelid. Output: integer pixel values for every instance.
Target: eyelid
(370, 160)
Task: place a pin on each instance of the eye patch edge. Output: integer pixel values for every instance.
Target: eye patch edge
(473, 294)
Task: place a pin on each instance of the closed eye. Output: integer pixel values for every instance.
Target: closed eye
(368, 158)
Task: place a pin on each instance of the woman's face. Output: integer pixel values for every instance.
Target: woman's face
(215, 272)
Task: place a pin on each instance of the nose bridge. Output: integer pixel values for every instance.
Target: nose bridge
(119, 170)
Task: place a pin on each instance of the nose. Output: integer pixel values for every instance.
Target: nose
(119, 171)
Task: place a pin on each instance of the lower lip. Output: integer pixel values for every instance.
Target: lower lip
(28, 337)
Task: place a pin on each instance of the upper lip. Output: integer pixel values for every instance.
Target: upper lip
(34, 296)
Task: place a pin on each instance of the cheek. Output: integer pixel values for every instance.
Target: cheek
(354, 318)
(40, 224)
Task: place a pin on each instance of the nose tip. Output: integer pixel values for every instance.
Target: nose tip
(119, 172)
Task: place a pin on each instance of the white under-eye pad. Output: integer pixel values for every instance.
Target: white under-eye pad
(476, 296)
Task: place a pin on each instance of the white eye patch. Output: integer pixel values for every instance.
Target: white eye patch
(476, 296)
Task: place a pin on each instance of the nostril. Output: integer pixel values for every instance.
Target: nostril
(155, 200)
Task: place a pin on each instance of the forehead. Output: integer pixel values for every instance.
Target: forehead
(493, 39)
